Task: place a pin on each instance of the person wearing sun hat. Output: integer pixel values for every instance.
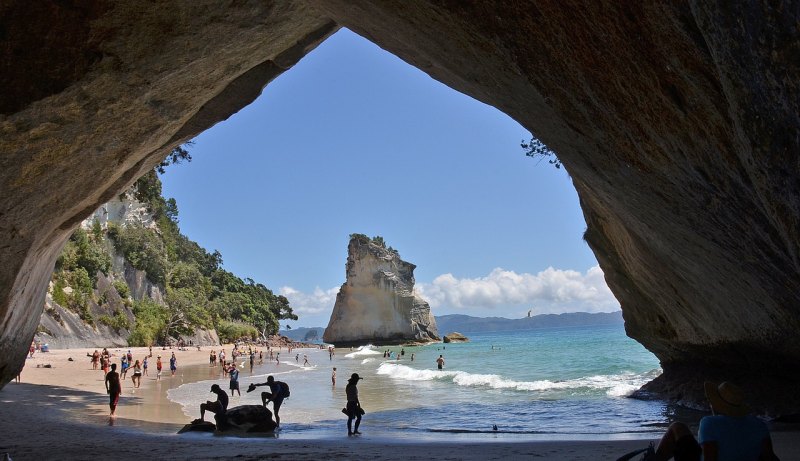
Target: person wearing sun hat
(353, 408)
(730, 433)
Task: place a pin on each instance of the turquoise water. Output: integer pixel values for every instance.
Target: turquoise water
(553, 384)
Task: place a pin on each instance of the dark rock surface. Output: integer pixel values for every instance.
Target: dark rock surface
(677, 121)
(241, 420)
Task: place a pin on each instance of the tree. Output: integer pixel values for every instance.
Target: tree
(536, 148)
(176, 156)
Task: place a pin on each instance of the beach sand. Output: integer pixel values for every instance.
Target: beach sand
(62, 413)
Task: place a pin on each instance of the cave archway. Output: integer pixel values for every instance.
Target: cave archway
(675, 122)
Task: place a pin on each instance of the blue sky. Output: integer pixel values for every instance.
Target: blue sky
(354, 140)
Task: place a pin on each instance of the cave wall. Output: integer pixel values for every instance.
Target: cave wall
(95, 93)
(677, 121)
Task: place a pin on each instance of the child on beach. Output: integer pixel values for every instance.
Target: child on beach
(159, 365)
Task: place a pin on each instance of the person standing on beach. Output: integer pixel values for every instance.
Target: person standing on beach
(114, 388)
(124, 363)
(305, 360)
(95, 359)
(353, 407)
(234, 384)
(440, 362)
(144, 365)
(159, 366)
(333, 376)
(173, 364)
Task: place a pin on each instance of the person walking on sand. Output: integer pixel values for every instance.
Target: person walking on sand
(279, 391)
(173, 364)
(137, 374)
(144, 365)
(159, 366)
(353, 408)
(440, 362)
(114, 388)
(305, 360)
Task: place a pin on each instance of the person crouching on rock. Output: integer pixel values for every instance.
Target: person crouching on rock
(219, 407)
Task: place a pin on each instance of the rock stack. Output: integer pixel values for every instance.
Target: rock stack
(377, 304)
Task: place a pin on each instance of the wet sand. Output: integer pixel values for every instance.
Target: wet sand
(62, 413)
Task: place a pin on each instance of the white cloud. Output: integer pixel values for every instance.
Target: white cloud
(502, 292)
(308, 304)
(549, 291)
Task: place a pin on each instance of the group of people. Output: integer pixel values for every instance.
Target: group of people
(113, 379)
(278, 392)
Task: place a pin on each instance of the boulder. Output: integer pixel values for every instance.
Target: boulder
(244, 419)
(455, 337)
(377, 304)
(248, 419)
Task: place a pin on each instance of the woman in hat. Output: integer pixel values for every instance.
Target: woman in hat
(730, 433)
(353, 408)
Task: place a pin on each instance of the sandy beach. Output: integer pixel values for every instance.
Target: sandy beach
(61, 412)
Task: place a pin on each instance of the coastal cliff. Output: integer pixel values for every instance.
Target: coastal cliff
(377, 304)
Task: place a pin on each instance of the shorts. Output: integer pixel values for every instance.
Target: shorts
(113, 398)
(687, 449)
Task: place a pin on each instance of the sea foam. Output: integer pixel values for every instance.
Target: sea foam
(369, 349)
(619, 385)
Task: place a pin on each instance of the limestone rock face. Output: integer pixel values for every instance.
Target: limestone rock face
(377, 304)
(677, 122)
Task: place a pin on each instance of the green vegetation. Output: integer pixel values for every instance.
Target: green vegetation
(377, 240)
(535, 148)
(198, 293)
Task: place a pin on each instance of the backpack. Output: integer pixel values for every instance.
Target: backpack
(285, 388)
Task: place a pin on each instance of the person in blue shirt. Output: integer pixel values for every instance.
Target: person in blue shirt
(731, 433)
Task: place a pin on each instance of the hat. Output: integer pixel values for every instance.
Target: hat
(726, 399)
(355, 377)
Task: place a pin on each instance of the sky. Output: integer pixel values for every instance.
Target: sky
(354, 140)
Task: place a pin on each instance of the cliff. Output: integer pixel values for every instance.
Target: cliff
(677, 122)
(377, 304)
(105, 317)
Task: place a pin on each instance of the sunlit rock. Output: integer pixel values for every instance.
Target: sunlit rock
(377, 304)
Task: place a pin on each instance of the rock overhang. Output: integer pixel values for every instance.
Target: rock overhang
(677, 123)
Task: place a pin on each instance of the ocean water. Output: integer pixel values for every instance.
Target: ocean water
(560, 383)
